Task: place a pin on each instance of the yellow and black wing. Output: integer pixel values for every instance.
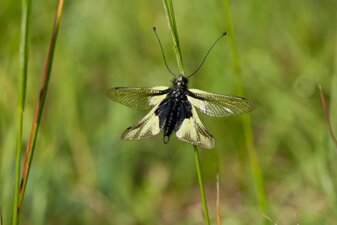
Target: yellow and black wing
(145, 128)
(219, 105)
(138, 98)
(194, 132)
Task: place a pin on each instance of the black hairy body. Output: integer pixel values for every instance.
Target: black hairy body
(175, 108)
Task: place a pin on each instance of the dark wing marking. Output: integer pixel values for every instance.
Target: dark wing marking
(145, 128)
(194, 132)
(219, 105)
(138, 98)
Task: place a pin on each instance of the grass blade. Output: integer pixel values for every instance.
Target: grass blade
(327, 117)
(1, 221)
(39, 106)
(168, 6)
(246, 120)
(24, 56)
(201, 184)
(218, 211)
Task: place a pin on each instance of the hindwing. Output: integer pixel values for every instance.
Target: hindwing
(145, 128)
(149, 125)
(193, 131)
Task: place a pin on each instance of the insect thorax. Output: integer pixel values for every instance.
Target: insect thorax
(180, 82)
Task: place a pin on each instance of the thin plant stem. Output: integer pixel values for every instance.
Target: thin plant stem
(168, 6)
(1, 221)
(327, 116)
(218, 211)
(39, 106)
(201, 184)
(246, 120)
(22, 83)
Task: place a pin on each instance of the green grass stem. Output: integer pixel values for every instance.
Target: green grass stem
(168, 5)
(246, 120)
(22, 83)
(333, 94)
(39, 106)
(218, 210)
(201, 184)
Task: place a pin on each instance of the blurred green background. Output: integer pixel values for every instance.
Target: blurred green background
(82, 173)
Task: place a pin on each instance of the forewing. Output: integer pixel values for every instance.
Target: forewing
(194, 132)
(219, 105)
(145, 128)
(138, 98)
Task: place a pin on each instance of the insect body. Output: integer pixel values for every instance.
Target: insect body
(174, 109)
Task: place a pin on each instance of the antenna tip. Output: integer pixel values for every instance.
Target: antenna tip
(154, 28)
(224, 33)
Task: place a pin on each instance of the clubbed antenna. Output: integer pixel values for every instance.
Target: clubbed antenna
(209, 50)
(162, 51)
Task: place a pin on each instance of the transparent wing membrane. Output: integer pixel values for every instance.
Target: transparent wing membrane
(138, 98)
(219, 105)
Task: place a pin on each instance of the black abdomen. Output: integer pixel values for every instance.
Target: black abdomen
(172, 111)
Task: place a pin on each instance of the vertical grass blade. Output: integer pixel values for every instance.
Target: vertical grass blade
(168, 6)
(39, 106)
(246, 120)
(22, 82)
(327, 116)
(218, 211)
(333, 94)
(201, 184)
